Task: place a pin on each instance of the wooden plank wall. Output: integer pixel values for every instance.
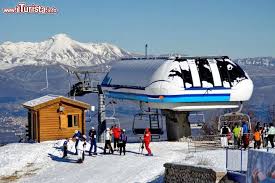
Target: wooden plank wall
(50, 124)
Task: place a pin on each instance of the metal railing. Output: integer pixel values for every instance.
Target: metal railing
(203, 142)
(209, 142)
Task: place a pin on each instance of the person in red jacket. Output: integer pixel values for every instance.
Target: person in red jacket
(147, 139)
(116, 133)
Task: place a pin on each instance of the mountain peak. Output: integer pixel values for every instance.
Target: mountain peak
(61, 49)
(61, 40)
(60, 36)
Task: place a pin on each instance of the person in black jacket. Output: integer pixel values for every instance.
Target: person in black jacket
(122, 142)
(92, 135)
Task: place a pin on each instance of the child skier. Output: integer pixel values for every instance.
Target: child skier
(122, 142)
(65, 148)
(81, 146)
(147, 139)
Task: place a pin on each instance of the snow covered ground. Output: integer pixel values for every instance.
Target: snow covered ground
(42, 162)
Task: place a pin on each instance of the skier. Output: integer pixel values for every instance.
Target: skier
(237, 133)
(122, 142)
(245, 135)
(77, 135)
(265, 135)
(81, 146)
(65, 148)
(225, 130)
(92, 135)
(116, 131)
(147, 139)
(257, 138)
(271, 134)
(108, 136)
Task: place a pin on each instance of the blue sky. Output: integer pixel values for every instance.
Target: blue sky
(198, 27)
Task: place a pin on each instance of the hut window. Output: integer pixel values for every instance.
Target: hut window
(75, 120)
(72, 120)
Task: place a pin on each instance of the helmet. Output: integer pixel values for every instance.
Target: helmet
(108, 129)
(84, 136)
(93, 128)
(76, 131)
(123, 130)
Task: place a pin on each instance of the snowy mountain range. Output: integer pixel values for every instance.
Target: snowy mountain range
(59, 49)
(257, 61)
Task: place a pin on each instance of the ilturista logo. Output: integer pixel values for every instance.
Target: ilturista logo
(23, 8)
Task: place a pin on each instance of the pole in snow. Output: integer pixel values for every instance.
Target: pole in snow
(146, 46)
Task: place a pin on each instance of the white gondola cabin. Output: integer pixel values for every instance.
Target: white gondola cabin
(180, 84)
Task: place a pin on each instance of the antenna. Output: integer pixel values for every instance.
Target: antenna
(47, 82)
(146, 46)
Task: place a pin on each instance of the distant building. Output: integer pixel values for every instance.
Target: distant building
(54, 117)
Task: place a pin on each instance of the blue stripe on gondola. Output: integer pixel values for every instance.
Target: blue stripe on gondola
(171, 98)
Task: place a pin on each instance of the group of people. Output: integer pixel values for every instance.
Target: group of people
(80, 146)
(117, 134)
(241, 135)
(263, 135)
(120, 140)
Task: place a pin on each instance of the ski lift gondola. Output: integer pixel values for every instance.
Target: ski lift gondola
(153, 118)
(233, 118)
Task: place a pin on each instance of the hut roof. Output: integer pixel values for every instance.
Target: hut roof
(51, 99)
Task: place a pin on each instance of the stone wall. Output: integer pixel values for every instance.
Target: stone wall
(186, 173)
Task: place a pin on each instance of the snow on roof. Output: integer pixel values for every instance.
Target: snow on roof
(47, 98)
(40, 100)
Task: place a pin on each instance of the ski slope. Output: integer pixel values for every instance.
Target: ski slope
(41, 162)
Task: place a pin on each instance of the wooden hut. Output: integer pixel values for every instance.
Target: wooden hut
(55, 117)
